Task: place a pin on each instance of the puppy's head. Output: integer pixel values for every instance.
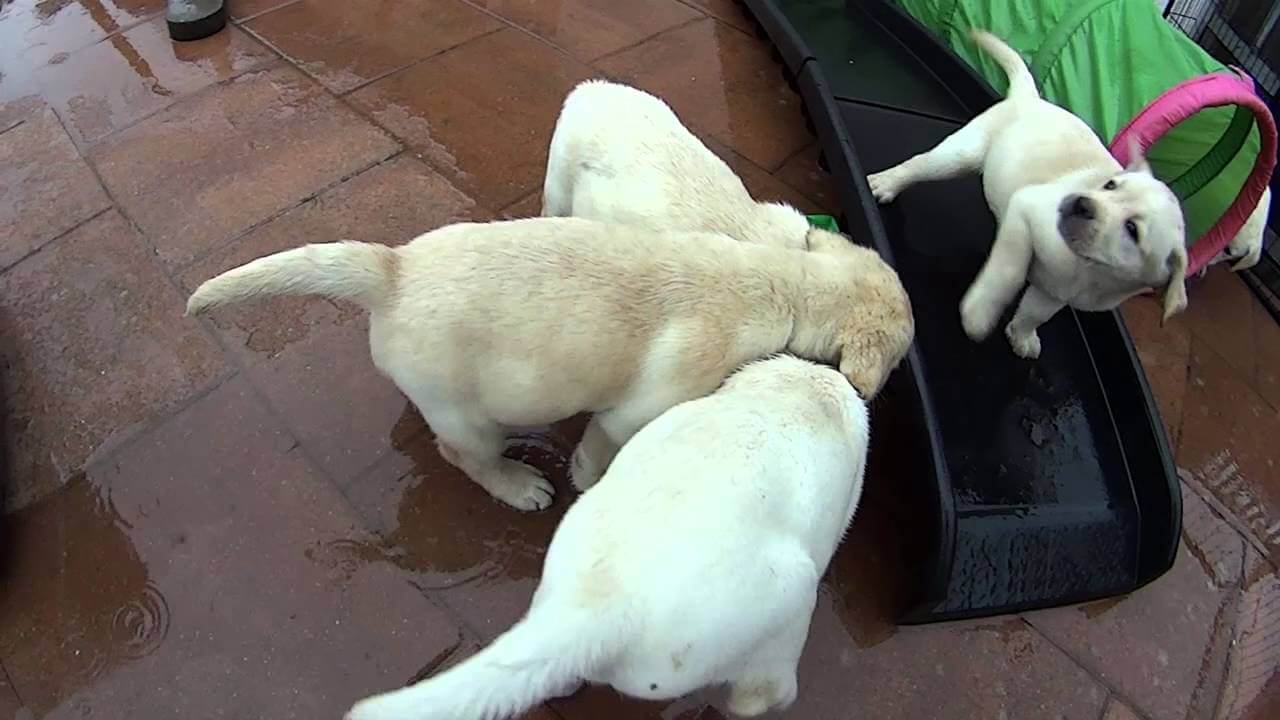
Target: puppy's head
(1132, 227)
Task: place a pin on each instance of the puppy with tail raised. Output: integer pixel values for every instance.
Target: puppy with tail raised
(498, 325)
(1075, 228)
(693, 562)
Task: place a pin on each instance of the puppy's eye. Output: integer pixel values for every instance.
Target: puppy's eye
(1111, 185)
(1131, 227)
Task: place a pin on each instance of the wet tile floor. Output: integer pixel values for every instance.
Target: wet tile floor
(238, 518)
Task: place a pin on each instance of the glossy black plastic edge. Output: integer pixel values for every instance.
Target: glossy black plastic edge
(1125, 384)
(861, 219)
(1105, 333)
(774, 25)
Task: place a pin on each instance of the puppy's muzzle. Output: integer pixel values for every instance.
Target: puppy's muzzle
(1078, 206)
(1076, 214)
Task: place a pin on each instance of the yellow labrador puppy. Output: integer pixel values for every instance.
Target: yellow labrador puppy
(1075, 227)
(488, 326)
(694, 562)
(621, 155)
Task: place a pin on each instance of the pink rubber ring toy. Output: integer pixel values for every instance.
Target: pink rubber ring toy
(1181, 102)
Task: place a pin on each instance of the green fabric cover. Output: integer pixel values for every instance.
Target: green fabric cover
(1106, 60)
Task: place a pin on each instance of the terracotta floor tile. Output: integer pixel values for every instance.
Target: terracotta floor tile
(310, 356)
(1220, 313)
(47, 188)
(208, 168)
(1252, 687)
(10, 703)
(1228, 444)
(481, 114)
(1165, 353)
(591, 28)
(345, 45)
(762, 186)
(1117, 710)
(803, 173)
(528, 206)
(92, 344)
(241, 9)
(130, 75)
(598, 701)
(726, 10)
(1267, 342)
(722, 82)
(998, 668)
(484, 558)
(19, 110)
(33, 33)
(1163, 645)
(207, 569)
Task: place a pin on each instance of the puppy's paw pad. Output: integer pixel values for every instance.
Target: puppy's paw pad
(976, 319)
(582, 472)
(749, 698)
(884, 186)
(523, 488)
(1026, 346)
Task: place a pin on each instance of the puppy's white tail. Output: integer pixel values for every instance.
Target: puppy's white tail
(537, 659)
(361, 272)
(1021, 83)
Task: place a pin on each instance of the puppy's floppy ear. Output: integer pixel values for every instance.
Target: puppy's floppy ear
(864, 367)
(1137, 160)
(1175, 293)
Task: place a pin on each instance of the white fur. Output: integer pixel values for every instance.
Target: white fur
(1246, 247)
(498, 325)
(1036, 161)
(693, 562)
(621, 155)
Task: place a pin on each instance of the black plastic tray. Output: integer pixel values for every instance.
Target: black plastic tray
(1035, 483)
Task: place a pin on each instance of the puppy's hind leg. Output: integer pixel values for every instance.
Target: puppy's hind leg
(606, 434)
(961, 152)
(475, 446)
(768, 678)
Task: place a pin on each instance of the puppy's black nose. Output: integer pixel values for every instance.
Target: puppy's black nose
(1081, 207)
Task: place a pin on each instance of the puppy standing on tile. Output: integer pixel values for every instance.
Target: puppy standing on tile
(621, 155)
(694, 561)
(495, 325)
(1082, 230)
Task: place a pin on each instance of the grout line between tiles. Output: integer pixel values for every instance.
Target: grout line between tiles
(797, 153)
(145, 427)
(1113, 692)
(1106, 705)
(413, 64)
(13, 686)
(227, 244)
(40, 248)
(1224, 514)
(268, 11)
(87, 146)
(524, 30)
(645, 39)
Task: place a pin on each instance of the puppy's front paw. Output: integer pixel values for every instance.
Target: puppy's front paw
(521, 487)
(885, 186)
(1025, 345)
(583, 471)
(977, 318)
